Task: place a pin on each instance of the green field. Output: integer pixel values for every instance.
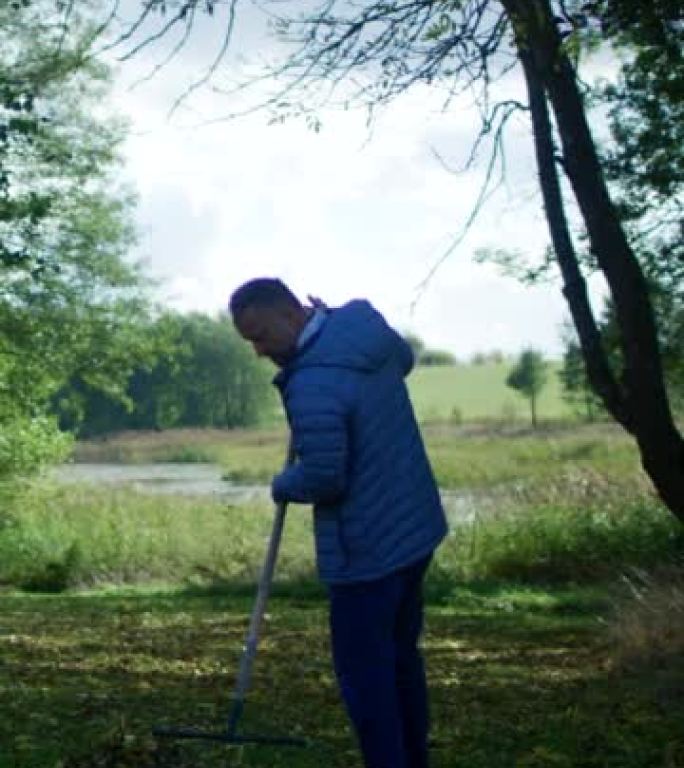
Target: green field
(479, 393)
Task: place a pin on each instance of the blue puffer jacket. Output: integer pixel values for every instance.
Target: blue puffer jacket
(360, 457)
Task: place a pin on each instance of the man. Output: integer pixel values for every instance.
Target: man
(361, 462)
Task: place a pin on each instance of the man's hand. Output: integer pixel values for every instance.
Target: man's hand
(277, 493)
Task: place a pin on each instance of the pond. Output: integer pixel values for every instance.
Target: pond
(196, 479)
(204, 479)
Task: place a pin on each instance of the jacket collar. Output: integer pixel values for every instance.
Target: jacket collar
(307, 337)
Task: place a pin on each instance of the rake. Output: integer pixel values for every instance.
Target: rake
(230, 734)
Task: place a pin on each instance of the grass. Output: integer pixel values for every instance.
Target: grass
(535, 658)
(483, 458)
(462, 457)
(519, 678)
(466, 393)
(57, 537)
(580, 528)
(263, 447)
(648, 622)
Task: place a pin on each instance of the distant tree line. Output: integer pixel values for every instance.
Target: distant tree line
(495, 356)
(425, 355)
(203, 375)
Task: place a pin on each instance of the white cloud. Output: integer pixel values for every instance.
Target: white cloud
(336, 213)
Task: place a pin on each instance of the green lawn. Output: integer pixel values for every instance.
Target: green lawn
(519, 677)
(479, 392)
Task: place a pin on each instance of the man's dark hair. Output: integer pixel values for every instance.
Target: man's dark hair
(262, 292)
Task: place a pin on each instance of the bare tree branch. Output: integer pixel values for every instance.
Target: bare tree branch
(177, 48)
(68, 11)
(228, 36)
(148, 7)
(486, 190)
(180, 16)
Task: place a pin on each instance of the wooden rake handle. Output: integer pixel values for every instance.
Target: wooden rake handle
(259, 609)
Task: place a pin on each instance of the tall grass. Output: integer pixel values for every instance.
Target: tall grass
(55, 537)
(555, 505)
(563, 544)
(486, 457)
(578, 525)
(647, 623)
(265, 447)
(461, 457)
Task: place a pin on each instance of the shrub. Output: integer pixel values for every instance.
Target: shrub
(54, 575)
(27, 444)
(552, 543)
(436, 357)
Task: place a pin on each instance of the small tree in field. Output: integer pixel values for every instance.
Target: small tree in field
(529, 377)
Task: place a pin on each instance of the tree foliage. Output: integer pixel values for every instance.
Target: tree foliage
(644, 161)
(204, 376)
(424, 355)
(71, 302)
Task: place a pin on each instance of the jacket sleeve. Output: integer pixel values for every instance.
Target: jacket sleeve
(317, 416)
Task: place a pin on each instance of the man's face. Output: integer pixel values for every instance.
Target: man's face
(272, 331)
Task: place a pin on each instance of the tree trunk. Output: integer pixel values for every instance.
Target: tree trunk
(533, 409)
(574, 285)
(646, 408)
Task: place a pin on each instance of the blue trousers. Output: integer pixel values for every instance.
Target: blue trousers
(375, 627)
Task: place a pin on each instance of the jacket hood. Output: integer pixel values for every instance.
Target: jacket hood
(355, 336)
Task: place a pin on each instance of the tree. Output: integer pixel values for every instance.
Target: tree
(434, 357)
(203, 376)
(369, 53)
(645, 164)
(38, 56)
(670, 321)
(529, 377)
(416, 343)
(71, 303)
(471, 43)
(220, 381)
(577, 391)
(424, 355)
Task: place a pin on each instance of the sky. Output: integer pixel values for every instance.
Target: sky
(340, 213)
